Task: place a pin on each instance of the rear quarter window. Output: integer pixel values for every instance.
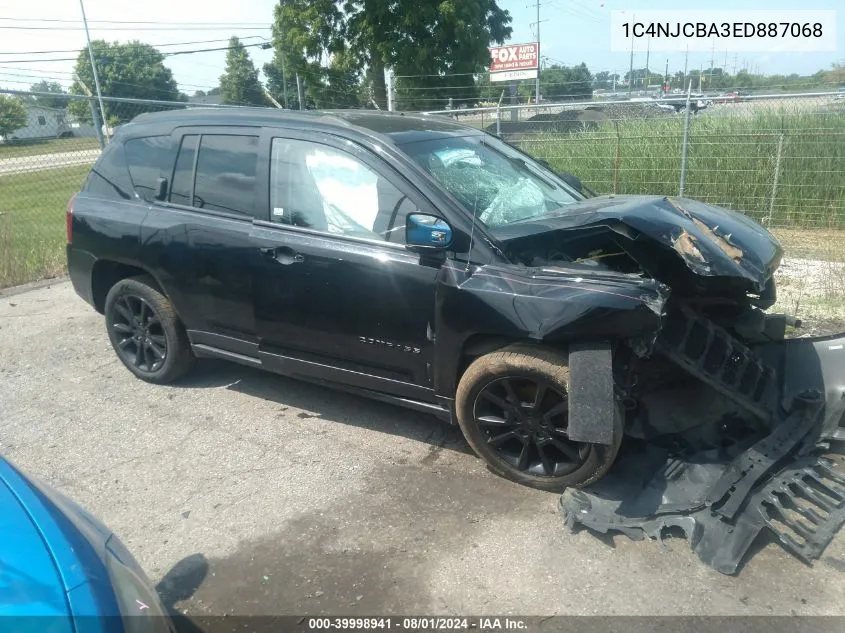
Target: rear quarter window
(148, 159)
(109, 177)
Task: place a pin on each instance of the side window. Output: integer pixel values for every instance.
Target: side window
(321, 188)
(225, 178)
(182, 182)
(145, 158)
(108, 177)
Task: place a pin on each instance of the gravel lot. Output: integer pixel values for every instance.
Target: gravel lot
(304, 500)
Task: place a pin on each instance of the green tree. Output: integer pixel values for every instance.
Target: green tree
(743, 79)
(604, 80)
(436, 48)
(836, 74)
(239, 84)
(12, 115)
(559, 83)
(54, 88)
(133, 70)
(439, 48)
(309, 41)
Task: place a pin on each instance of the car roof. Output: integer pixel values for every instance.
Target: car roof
(393, 127)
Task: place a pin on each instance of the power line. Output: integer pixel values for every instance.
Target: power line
(76, 50)
(165, 54)
(130, 22)
(222, 27)
(117, 83)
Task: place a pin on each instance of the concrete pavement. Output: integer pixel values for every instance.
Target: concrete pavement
(306, 500)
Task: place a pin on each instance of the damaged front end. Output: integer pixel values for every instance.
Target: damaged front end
(754, 467)
(728, 418)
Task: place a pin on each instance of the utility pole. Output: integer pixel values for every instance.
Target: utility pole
(391, 98)
(98, 128)
(712, 52)
(686, 61)
(299, 90)
(284, 81)
(94, 71)
(666, 78)
(647, 53)
(631, 71)
(537, 82)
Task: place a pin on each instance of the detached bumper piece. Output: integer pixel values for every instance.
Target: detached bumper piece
(722, 498)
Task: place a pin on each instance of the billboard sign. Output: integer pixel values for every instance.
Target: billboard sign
(515, 57)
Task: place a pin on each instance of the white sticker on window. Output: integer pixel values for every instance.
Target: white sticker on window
(278, 212)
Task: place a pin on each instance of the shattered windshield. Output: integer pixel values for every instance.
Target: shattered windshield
(493, 181)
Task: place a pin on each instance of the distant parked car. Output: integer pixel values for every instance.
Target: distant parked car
(59, 563)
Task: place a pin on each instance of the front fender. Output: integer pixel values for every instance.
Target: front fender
(551, 305)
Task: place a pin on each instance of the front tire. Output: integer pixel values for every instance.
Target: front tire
(513, 410)
(145, 332)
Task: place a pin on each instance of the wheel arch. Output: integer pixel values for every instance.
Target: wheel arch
(106, 273)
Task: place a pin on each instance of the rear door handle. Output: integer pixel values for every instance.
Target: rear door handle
(283, 254)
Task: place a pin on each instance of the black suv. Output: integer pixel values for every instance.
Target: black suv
(424, 263)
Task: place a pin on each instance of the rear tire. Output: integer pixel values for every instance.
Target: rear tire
(512, 408)
(145, 332)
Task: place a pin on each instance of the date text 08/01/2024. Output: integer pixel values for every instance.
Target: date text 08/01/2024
(418, 624)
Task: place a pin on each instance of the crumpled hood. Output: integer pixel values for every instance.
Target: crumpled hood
(712, 241)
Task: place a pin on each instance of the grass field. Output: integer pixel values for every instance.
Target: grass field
(32, 226)
(46, 146)
(731, 162)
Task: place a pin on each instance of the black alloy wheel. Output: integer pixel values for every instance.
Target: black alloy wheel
(138, 330)
(524, 421)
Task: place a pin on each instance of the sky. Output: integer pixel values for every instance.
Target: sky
(571, 32)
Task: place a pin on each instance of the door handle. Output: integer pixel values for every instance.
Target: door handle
(283, 255)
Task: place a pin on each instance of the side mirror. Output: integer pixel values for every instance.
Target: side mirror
(161, 189)
(427, 232)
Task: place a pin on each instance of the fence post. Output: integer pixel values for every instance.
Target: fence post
(618, 155)
(685, 143)
(98, 129)
(767, 220)
(499, 115)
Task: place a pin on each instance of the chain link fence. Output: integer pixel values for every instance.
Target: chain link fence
(42, 164)
(778, 159)
(781, 160)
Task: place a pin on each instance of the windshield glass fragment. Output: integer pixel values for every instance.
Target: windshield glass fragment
(494, 182)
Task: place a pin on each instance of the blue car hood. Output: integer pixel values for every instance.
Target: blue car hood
(30, 583)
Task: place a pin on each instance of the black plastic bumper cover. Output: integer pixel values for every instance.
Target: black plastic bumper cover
(723, 498)
(722, 504)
